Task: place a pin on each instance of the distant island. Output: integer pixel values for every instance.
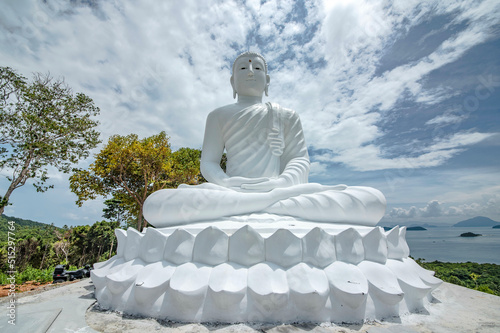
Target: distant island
(409, 224)
(496, 226)
(413, 228)
(418, 228)
(469, 234)
(478, 221)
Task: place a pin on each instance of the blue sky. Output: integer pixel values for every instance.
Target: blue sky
(399, 95)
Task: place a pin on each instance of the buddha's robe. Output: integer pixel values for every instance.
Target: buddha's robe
(265, 141)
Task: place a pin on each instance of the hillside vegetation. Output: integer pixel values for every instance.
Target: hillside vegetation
(37, 247)
(482, 277)
(22, 227)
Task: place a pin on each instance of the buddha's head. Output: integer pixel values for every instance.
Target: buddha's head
(250, 75)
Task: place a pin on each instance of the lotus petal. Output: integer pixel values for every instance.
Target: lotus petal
(119, 281)
(133, 244)
(152, 281)
(211, 246)
(349, 246)
(409, 280)
(121, 239)
(427, 276)
(227, 285)
(188, 286)
(283, 248)
(109, 263)
(318, 248)
(98, 274)
(383, 283)
(375, 244)
(246, 247)
(348, 283)
(179, 247)
(309, 287)
(396, 247)
(402, 242)
(152, 245)
(268, 287)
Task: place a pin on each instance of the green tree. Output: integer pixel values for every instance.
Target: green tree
(186, 167)
(129, 169)
(115, 210)
(90, 244)
(42, 124)
(62, 246)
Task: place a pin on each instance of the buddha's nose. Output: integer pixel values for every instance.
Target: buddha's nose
(250, 70)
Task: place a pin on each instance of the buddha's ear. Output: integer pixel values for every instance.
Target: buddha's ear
(232, 85)
(268, 79)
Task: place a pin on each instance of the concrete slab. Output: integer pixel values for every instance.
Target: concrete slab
(36, 322)
(60, 309)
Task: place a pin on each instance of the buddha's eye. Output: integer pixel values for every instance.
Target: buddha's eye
(243, 68)
(258, 68)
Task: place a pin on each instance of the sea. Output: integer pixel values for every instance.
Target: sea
(445, 244)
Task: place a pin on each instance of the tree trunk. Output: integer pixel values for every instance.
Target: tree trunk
(5, 199)
(99, 253)
(44, 253)
(139, 222)
(83, 256)
(65, 251)
(21, 179)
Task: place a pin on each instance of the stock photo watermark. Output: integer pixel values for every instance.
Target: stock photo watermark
(11, 273)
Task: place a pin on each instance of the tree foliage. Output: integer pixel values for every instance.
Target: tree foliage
(42, 124)
(41, 246)
(115, 211)
(89, 244)
(185, 167)
(482, 277)
(129, 169)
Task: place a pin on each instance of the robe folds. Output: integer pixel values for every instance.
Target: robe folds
(264, 141)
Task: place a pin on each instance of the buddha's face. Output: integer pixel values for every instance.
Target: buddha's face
(249, 76)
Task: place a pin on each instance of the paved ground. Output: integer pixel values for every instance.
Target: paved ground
(58, 310)
(71, 308)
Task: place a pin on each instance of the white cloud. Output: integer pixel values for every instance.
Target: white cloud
(436, 209)
(359, 112)
(433, 209)
(368, 157)
(445, 119)
(318, 169)
(292, 29)
(459, 140)
(155, 66)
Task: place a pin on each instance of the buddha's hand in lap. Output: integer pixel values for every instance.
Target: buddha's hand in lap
(239, 182)
(266, 185)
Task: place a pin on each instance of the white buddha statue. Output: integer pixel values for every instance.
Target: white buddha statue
(267, 166)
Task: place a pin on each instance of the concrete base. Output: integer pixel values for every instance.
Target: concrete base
(453, 309)
(287, 271)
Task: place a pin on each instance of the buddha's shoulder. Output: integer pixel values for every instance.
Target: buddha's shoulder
(286, 112)
(223, 110)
